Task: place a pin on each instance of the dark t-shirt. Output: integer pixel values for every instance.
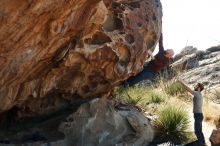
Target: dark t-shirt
(159, 62)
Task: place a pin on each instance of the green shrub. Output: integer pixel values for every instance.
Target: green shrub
(131, 95)
(133, 100)
(119, 90)
(156, 97)
(174, 89)
(172, 126)
(140, 95)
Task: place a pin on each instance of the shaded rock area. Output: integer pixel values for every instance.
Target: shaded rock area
(55, 51)
(40, 143)
(215, 138)
(43, 129)
(199, 66)
(102, 123)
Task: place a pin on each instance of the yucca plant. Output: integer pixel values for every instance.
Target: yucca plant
(172, 126)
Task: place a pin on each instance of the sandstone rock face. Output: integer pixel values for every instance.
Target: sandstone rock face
(215, 137)
(200, 66)
(99, 123)
(54, 51)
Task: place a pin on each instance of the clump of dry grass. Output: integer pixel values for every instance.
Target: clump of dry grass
(171, 87)
(213, 94)
(217, 122)
(156, 96)
(175, 89)
(212, 106)
(211, 112)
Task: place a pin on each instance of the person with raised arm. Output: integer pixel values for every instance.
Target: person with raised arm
(197, 110)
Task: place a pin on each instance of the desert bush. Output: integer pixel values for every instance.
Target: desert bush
(172, 125)
(156, 97)
(211, 112)
(168, 73)
(131, 95)
(141, 95)
(174, 89)
(133, 100)
(119, 90)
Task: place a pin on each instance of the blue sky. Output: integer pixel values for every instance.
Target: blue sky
(191, 22)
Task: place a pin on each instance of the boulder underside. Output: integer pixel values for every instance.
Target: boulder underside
(56, 51)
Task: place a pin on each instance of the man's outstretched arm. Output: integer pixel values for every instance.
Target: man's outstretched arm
(161, 48)
(186, 87)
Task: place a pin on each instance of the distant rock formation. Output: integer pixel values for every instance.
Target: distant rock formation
(185, 51)
(199, 66)
(55, 51)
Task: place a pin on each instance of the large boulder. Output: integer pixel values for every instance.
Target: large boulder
(215, 137)
(102, 123)
(55, 51)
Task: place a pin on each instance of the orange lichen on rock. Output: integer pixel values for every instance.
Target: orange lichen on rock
(54, 51)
